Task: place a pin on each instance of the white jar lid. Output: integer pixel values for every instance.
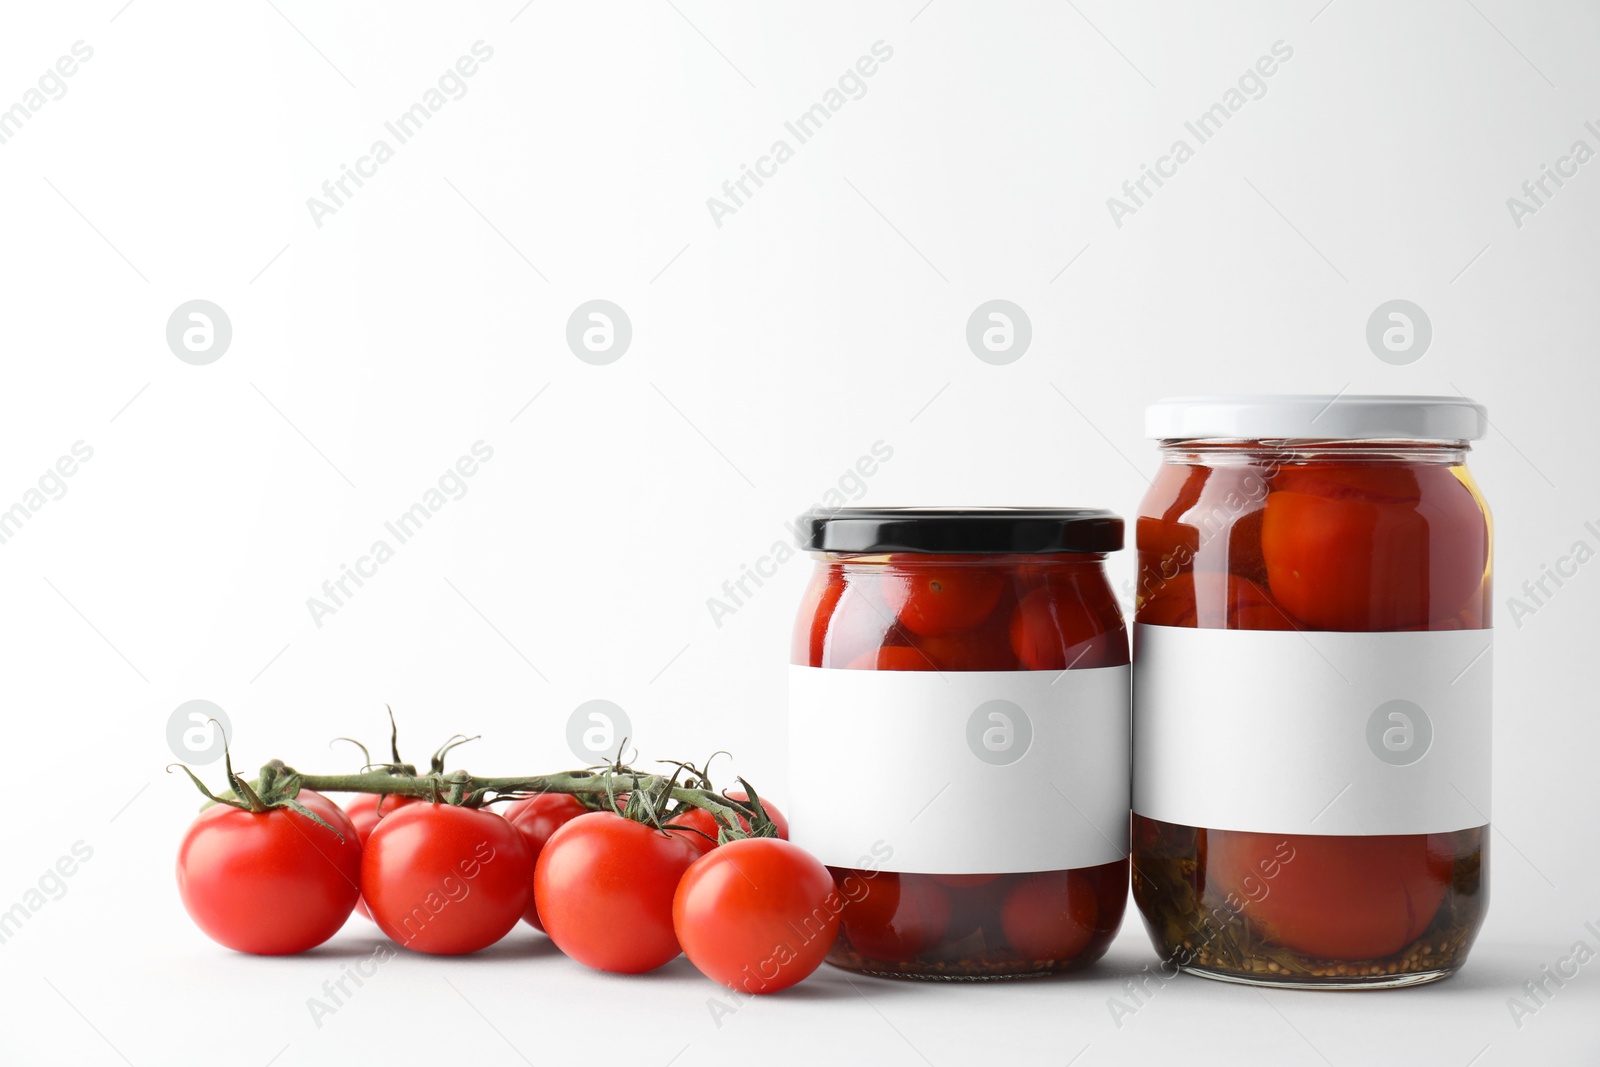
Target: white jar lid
(1321, 417)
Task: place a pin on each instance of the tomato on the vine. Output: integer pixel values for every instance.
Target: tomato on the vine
(1051, 915)
(272, 882)
(757, 914)
(536, 818)
(705, 824)
(365, 809)
(445, 879)
(604, 886)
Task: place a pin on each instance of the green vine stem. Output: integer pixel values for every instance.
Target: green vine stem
(649, 794)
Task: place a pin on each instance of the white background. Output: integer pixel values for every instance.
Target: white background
(826, 314)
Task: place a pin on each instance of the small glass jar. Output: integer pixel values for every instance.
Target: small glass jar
(958, 717)
(1311, 690)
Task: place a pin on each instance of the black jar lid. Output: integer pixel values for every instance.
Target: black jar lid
(1026, 531)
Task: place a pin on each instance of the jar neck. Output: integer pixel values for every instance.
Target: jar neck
(1311, 450)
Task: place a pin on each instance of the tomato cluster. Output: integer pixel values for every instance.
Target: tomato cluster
(927, 612)
(755, 913)
(1332, 542)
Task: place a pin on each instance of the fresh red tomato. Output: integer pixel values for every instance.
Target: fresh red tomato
(780, 822)
(444, 879)
(1363, 547)
(939, 595)
(705, 824)
(757, 914)
(604, 886)
(1335, 898)
(536, 818)
(365, 809)
(1051, 915)
(899, 916)
(270, 883)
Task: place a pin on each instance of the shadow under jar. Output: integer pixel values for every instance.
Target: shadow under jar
(959, 738)
(1311, 690)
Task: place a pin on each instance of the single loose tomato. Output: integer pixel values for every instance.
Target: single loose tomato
(1335, 898)
(939, 595)
(270, 883)
(444, 879)
(757, 914)
(536, 818)
(705, 824)
(900, 916)
(1364, 547)
(365, 809)
(604, 887)
(1051, 915)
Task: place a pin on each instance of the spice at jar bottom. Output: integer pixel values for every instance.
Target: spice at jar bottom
(1312, 689)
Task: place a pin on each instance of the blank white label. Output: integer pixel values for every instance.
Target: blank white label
(1302, 732)
(960, 772)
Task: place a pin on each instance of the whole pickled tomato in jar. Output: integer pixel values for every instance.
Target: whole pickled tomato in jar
(1312, 690)
(958, 729)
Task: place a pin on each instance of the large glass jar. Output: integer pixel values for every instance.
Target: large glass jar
(1311, 690)
(958, 717)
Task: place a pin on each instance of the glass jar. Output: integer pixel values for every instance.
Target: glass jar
(1312, 690)
(959, 716)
